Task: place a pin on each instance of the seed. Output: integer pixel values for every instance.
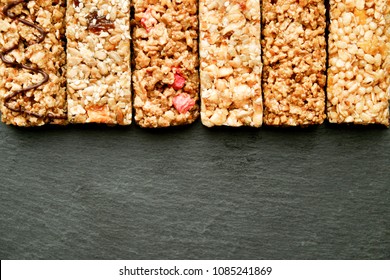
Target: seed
(378, 60)
(341, 45)
(360, 53)
(362, 90)
(353, 49)
(102, 68)
(368, 35)
(347, 18)
(373, 26)
(341, 83)
(360, 4)
(340, 63)
(347, 29)
(379, 31)
(353, 87)
(101, 55)
(349, 75)
(377, 90)
(350, 3)
(368, 68)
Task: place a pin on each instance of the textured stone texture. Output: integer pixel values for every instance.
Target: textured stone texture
(94, 192)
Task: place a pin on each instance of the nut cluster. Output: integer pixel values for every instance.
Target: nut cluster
(230, 66)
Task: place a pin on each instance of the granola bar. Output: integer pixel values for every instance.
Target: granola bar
(230, 63)
(165, 78)
(359, 62)
(32, 60)
(294, 57)
(98, 61)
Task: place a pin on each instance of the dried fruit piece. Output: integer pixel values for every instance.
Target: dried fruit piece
(183, 103)
(179, 82)
(148, 21)
(97, 24)
(98, 114)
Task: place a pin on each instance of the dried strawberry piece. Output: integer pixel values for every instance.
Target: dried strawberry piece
(183, 103)
(148, 21)
(179, 82)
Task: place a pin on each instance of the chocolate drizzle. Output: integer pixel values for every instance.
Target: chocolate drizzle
(9, 98)
(97, 24)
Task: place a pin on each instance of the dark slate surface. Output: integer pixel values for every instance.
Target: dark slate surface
(125, 193)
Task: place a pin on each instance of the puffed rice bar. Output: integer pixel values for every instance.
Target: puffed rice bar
(98, 61)
(32, 60)
(230, 63)
(294, 58)
(165, 78)
(359, 62)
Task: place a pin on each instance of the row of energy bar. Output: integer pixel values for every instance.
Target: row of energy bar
(71, 62)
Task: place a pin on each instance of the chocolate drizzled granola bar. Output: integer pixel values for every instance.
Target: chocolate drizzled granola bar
(32, 60)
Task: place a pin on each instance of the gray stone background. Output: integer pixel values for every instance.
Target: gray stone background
(96, 192)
